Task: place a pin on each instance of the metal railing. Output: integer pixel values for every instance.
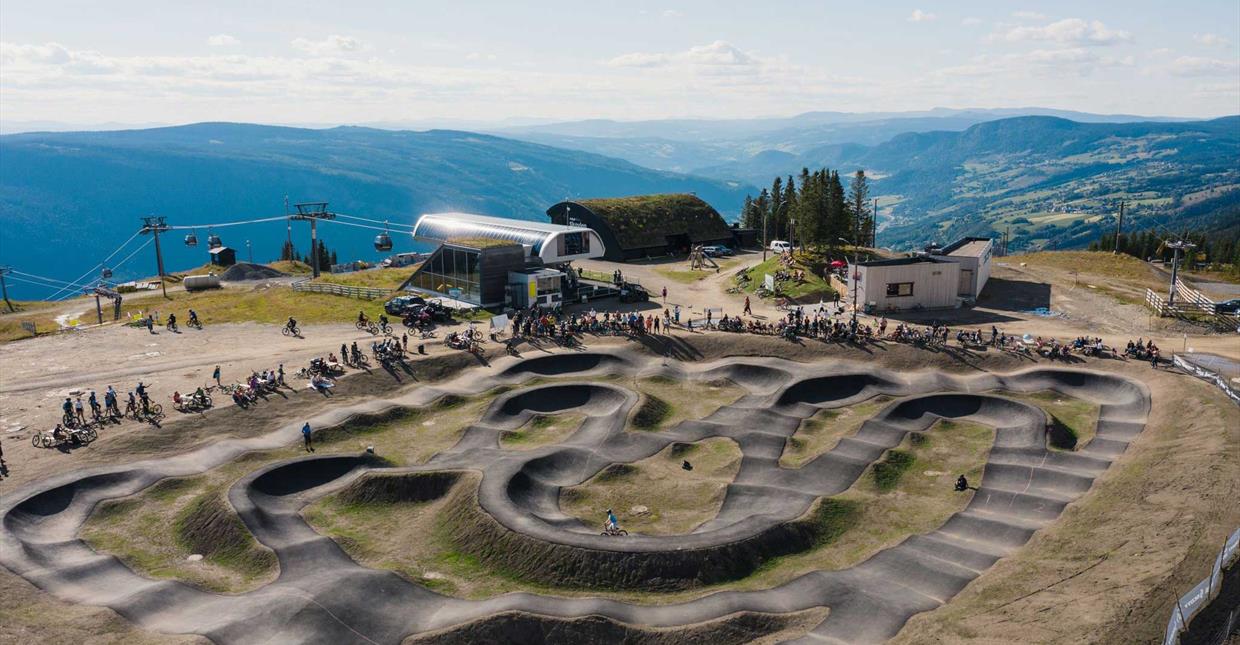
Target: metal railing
(363, 293)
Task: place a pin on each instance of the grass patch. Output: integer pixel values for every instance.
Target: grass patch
(887, 473)
(155, 531)
(676, 500)
(693, 400)
(651, 413)
(821, 432)
(381, 278)
(42, 314)
(1074, 422)
(541, 430)
(291, 267)
(812, 289)
(270, 304)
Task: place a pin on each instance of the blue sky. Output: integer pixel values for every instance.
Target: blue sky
(359, 62)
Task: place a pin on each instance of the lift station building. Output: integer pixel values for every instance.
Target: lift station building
(493, 262)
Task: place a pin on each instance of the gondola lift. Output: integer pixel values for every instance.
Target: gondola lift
(105, 273)
(213, 240)
(191, 239)
(383, 241)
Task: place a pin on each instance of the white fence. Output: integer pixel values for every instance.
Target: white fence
(1199, 597)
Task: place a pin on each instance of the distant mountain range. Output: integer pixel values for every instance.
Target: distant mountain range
(741, 149)
(67, 199)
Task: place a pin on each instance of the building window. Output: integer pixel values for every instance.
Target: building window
(899, 289)
(574, 243)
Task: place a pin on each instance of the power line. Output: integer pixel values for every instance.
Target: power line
(376, 221)
(40, 277)
(118, 264)
(373, 228)
(91, 270)
(186, 227)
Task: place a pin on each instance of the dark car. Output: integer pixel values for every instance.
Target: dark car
(633, 292)
(433, 310)
(401, 305)
(1227, 306)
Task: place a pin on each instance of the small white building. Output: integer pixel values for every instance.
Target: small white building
(974, 255)
(939, 279)
(921, 282)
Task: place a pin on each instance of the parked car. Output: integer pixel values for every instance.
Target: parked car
(780, 246)
(717, 251)
(1227, 306)
(400, 305)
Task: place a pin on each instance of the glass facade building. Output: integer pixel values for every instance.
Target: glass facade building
(450, 269)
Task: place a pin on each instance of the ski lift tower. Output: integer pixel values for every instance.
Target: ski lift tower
(154, 226)
(1176, 247)
(313, 212)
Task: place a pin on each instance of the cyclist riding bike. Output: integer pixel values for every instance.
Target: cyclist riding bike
(193, 318)
(67, 406)
(200, 397)
(612, 523)
(361, 317)
(172, 321)
(292, 324)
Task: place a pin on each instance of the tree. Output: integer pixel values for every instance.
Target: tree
(288, 252)
(859, 199)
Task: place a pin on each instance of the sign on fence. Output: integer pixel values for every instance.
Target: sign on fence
(1191, 603)
(769, 282)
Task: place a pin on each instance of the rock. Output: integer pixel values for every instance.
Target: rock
(195, 557)
(639, 510)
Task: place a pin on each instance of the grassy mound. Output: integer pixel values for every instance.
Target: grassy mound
(821, 432)
(675, 500)
(210, 527)
(156, 530)
(1073, 421)
(651, 413)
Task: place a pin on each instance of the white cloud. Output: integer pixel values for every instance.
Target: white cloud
(222, 40)
(673, 13)
(1211, 40)
(1069, 31)
(474, 56)
(717, 54)
(1028, 15)
(333, 44)
(970, 21)
(49, 53)
(1202, 66)
(921, 16)
(1045, 63)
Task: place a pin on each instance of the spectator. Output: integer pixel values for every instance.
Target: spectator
(305, 435)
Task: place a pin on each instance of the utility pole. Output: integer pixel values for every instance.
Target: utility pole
(854, 274)
(874, 225)
(1119, 227)
(154, 225)
(313, 212)
(5, 289)
(249, 250)
(765, 242)
(1176, 247)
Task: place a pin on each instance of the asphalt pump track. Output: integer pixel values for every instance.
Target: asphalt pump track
(323, 596)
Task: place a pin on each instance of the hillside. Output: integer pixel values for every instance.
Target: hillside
(81, 193)
(1056, 183)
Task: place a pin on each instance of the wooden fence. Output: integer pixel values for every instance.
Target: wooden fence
(363, 293)
(1188, 301)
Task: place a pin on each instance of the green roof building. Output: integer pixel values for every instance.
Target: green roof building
(646, 225)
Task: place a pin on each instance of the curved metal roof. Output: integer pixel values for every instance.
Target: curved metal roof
(441, 227)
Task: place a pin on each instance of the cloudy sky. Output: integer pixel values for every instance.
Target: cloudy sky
(91, 62)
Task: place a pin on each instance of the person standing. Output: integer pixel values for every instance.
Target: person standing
(665, 294)
(216, 375)
(305, 436)
(748, 311)
(280, 374)
(79, 410)
(404, 341)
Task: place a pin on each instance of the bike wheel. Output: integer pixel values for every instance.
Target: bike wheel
(157, 410)
(36, 440)
(286, 331)
(91, 434)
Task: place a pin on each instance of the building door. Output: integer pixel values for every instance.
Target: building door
(966, 283)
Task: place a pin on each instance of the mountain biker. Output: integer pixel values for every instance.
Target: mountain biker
(176, 398)
(133, 404)
(962, 483)
(612, 523)
(67, 406)
(109, 401)
(200, 397)
(172, 321)
(292, 324)
(80, 410)
(94, 403)
(361, 317)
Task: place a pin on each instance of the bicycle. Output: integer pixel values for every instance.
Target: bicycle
(291, 331)
(614, 531)
(385, 328)
(368, 326)
(172, 327)
(195, 323)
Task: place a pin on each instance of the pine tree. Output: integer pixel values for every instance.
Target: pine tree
(288, 252)
(859, 198)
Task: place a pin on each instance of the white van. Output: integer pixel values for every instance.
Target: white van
(780, 246)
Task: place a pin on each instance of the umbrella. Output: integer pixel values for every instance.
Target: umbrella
(835, 264)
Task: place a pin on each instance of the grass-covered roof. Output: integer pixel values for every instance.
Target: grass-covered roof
(647, 220)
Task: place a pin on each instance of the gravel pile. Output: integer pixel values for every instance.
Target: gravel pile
(246, 271)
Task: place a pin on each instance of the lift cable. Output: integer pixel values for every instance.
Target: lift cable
(118, 264)
(91, 270)
(376, 221)
(185, 227)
